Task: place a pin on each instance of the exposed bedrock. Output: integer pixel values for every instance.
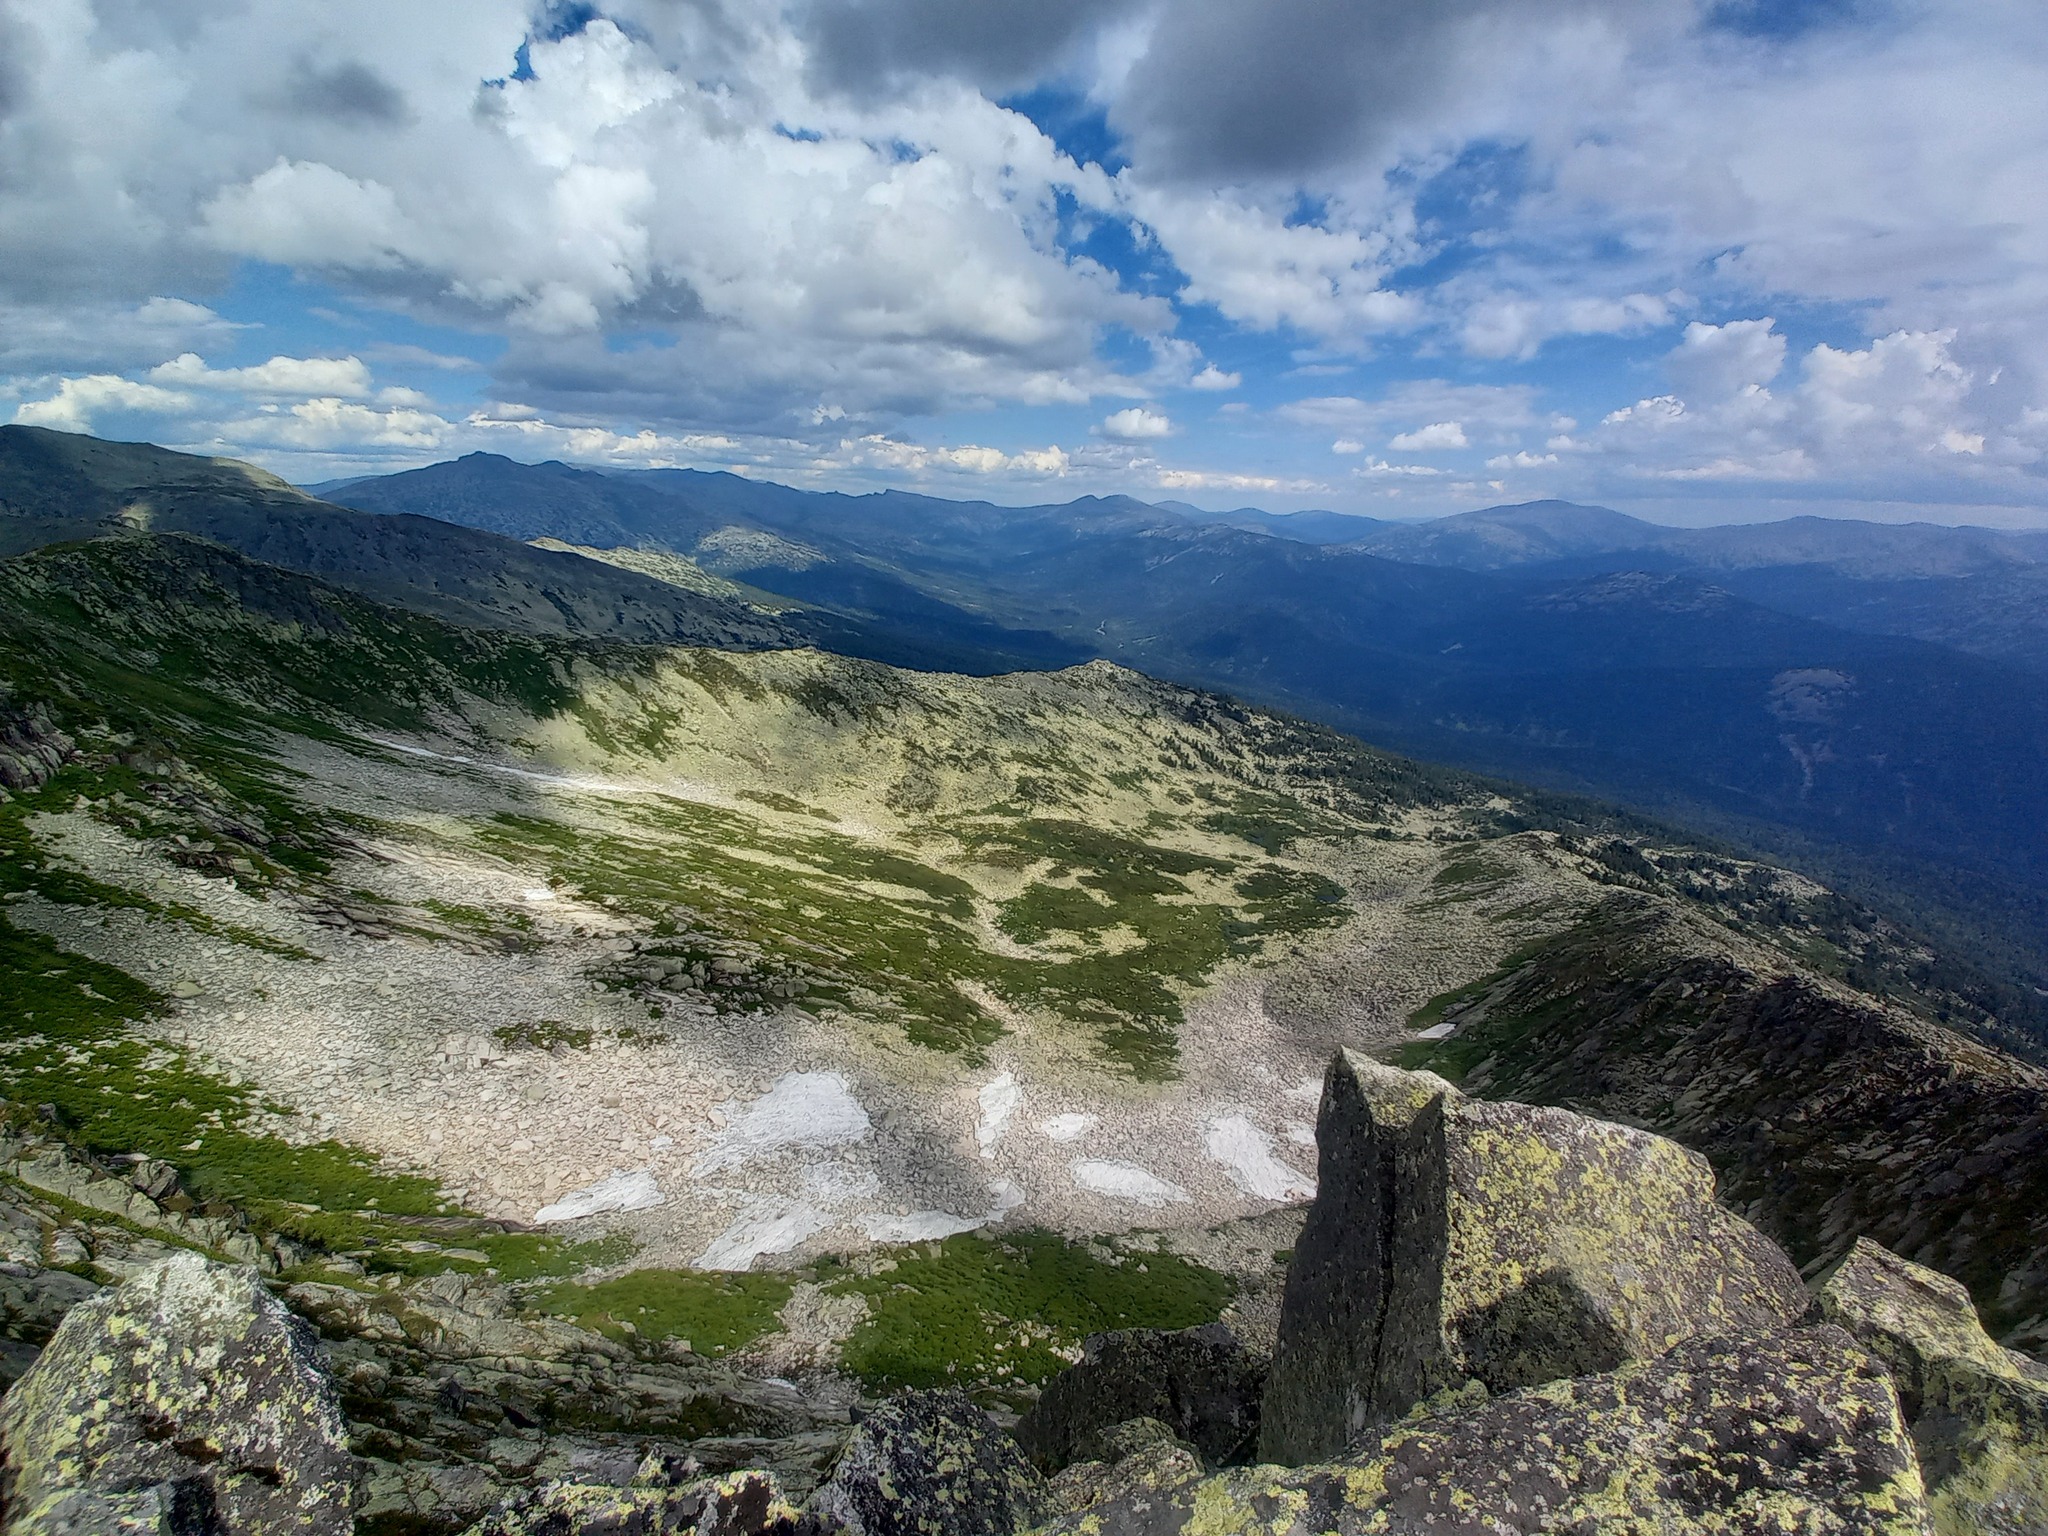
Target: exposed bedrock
(188, 1399)
(1979, 1412)
(1454, 1240)
(1795, 1431)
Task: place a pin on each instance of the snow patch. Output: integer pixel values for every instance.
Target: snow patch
(1436, 1031)
(1125, 1181)
(924, 1226)
(1300, 1132)
(536, 893)
(764, 1225)
(1067, 1127)
(918, 1226)
(999, 1099)
(1246, 1153)
(801, 1109)
(634, 1191)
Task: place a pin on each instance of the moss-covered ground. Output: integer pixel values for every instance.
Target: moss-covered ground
(713, 1313)
(1014, 1307)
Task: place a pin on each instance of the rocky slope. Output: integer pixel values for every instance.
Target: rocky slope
(1827, 1115)
(617, 1049)
(1672, 1376)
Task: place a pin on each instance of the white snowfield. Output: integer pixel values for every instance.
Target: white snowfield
(801, 1109)
(1126, 1181)
(999, 1099)
(1247, 1155)
(765, 1225)
(630, 1191)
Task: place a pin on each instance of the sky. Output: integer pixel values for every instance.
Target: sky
(1702, 260)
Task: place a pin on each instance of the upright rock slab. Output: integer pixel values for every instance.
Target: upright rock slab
(1979, 1413)
(1453, 1240)
(930, 1464)
(1795, 1432)
(187, 1392)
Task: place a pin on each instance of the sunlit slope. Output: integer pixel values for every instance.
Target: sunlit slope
(769, 954)
(1087, 844)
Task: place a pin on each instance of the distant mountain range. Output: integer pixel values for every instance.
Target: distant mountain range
(1854, 681)
(1871, 698)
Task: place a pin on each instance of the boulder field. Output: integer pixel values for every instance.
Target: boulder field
(1498, 1319)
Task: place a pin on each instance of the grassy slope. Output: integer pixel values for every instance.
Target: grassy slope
(1090, 844)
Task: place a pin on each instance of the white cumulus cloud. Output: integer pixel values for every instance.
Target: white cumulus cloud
(1136, 424)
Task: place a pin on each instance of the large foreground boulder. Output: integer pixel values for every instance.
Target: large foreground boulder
(1799, 1432)
(1453, 1240)
(930, 1464)
(1199, 1382)
(187, 1399)
(1979, 1413)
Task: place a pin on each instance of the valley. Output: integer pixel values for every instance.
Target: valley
(598, 1038)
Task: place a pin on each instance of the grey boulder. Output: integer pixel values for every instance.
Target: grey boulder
(930, 1464)
(189, 1397)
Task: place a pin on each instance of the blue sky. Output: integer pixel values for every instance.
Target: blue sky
(1706, 261)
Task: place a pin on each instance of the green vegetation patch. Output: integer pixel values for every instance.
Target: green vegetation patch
(851, 914)
(1014, 1310)
(715, 1313)
(543, 1035)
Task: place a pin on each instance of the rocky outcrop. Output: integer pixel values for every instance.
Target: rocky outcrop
(31, 746)
(1454, 1240)
(145, 1194)
(1142, 1456)
(457, 1399)
(1199, 1382)
(1797, 1431)
(930, 1464)
(1979, 1413)
(1826, 1116)
(745, 1504)
(187, 1390)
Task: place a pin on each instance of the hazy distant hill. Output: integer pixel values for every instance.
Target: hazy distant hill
(1525, 640)
(58, 485)
(1979, 590)
(460, 555)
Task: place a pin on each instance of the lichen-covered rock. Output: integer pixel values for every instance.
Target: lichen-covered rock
(1454, 1240)
(420, 1495)
(1201, 1382)
(739, 1504)
(153, 1511)
(1798, 1432)
(1141, 1455)
(1979, 1413)
(191, 1376)
(930, 1464)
